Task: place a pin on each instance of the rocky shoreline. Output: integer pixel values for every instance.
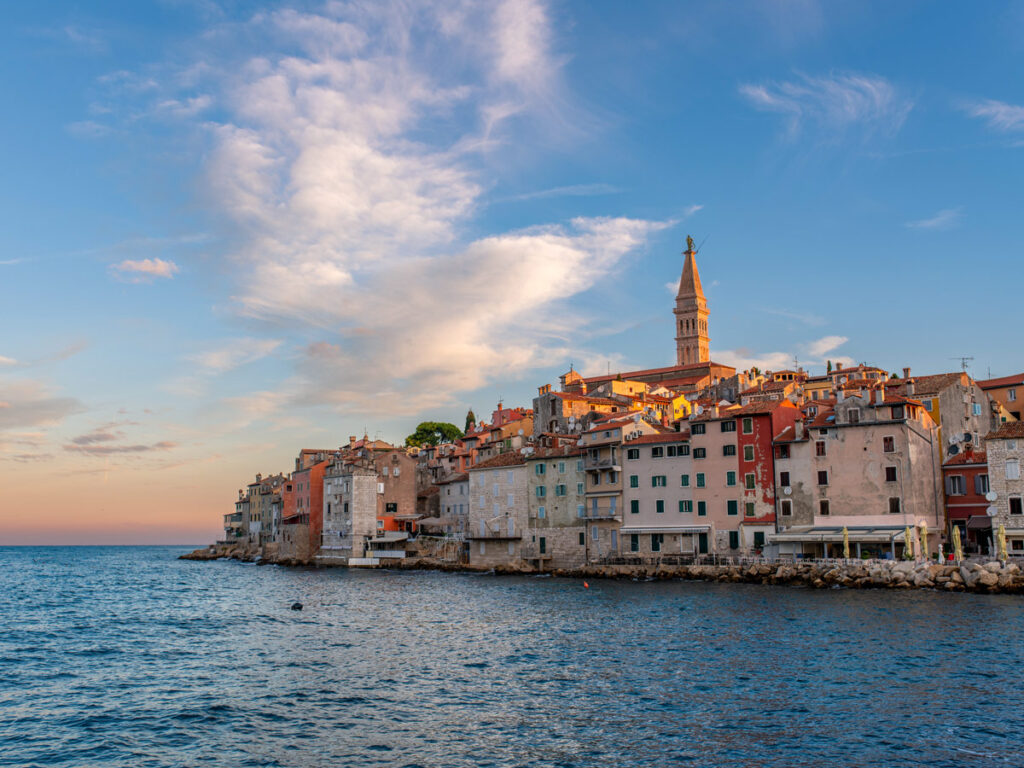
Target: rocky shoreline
(989, 577)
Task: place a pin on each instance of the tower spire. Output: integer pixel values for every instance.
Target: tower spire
(691, 313)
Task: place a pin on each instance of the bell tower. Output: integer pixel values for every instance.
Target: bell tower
(692, 341)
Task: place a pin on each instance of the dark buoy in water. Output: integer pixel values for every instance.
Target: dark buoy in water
(296, 606)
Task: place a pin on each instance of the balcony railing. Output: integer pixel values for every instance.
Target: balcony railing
(603, 514)
(595, 465)
(494, 536)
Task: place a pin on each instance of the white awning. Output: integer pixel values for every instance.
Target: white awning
(685, 529)
(879, 535)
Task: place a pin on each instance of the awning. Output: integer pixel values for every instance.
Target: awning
(437, 522)
(979, 523)
(408, 517)
(388, 536)
(684, 529)
(879, 535)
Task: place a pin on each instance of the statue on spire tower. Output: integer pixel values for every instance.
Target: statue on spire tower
(689, 244)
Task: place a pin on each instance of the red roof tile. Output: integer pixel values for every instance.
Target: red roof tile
(1005, 381)
(1009, 430)
(510, 459)
(967, 457)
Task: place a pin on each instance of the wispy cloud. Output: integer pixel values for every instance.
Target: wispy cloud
(10, 262)
(234, 353)
(31, 403)
(574, 190)
(807, 318)
(944, 219)
(144, 270)
(7, 361)
(821, 347)
(832, 104)
(109, 450)
(999, 115)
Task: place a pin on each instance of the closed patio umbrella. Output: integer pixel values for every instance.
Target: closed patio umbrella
(924, 540)
(908, 544)
(958, 549)
(846, 544)
(1001, 541)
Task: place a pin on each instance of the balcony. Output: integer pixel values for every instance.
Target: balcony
(493, 536)
(383, 553)
(596, 465)
(603, 514)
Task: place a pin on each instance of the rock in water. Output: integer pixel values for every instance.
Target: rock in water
(296, 606)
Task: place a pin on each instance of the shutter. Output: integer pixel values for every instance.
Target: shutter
(949, 486)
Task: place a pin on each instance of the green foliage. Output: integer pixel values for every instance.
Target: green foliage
(828, 366)
(433, 433)
(470, 420)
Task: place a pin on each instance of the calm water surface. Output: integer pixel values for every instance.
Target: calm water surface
(125, 656)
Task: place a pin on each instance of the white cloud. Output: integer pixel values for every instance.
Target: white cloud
(818, 349)
(7, 360)
(144, 270)
(10, 262)
(999, 115)
(31, 403)
(833, 103)
(573, 190)
(944, 219)
(235, 353)
(689, 210)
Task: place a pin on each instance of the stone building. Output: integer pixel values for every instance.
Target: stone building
(1005, 451)
(659, 516)
(454, 503)
(555, 536)
(692, 340)
(870, 463)
(350, 511)
(956, 403)
(497, 510)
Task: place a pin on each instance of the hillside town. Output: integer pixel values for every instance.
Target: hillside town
(693, 462)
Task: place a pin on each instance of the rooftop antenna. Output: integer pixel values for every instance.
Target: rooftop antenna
(702, 244)
(963, 362)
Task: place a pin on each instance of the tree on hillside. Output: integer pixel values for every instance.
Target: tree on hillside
(828, 366)
(470, 420)
(433, 433)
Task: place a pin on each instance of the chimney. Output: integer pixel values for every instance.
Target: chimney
(880, 395)
(798, 429)
(906, 373)
(839, 366)
(910, 387)
(351, 440)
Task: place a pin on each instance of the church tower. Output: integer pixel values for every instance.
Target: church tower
(691, 313)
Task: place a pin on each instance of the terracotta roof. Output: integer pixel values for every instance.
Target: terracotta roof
(928, 385)
(459, 478)
(681, 382)
(659, 437)
(652, 371)
(771, 386)
(1008, 430)
(615, 423)
(1005, 381)
(967, 457)
(556, 452)
(510, 459)
(788, 435)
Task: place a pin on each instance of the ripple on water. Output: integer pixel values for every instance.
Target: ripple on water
(129, 657)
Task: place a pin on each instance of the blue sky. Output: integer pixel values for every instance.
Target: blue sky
(231, 230)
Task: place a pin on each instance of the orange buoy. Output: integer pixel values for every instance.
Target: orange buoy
(585, 585)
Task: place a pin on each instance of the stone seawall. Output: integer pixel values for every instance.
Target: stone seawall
(989, 577)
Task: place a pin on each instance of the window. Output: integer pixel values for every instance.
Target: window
(700, 453)
(1012, 469)
(732, 507)
(686, 506)
(542, 511)
(657, 452)
(510, 477)
(1016, 505)
(1011, 445)
(656, 541)
(672, 450)
(700, 479)
(728, 426)
(580, 512)
(559, 490)
(632, 453)
(786, 508)
(728, 450)
(579, 489)
(981, 484)
(659, 506)
(822, 477)
(634, 506)
(1011, 394)
(579, 465)
(823, 508)
(634, 481)
(748, 509)
(889, 444)
(734, 539)
(784, 478)
(595, 533)
(976, 409)
(697, 429)
(730, 478)
(613, 477)
(684, 450)
(749, 481)
(853, 416)
(702, 508)
(634, 542)
(783, 452)
(890, 475)
(542, 491)
(561, 467)
(748, 453)
(897, 412)
(819, 448)
(684, 481)
(894, 506)
(583, 539)
(954, 485)
(748, 425)
(658, 481)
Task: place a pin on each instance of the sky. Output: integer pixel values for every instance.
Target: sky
(232, 230)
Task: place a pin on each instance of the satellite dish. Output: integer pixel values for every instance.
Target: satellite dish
(699, 410)
(954, 449)
(788, 491)
(966, 437)
(991, 496)
(521, 433)
(991, 511)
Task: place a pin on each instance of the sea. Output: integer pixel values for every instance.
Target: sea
(127, 656)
